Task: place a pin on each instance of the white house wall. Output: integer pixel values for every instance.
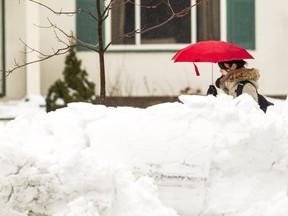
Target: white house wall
(271, 45)
(149, 73)
(15, 29)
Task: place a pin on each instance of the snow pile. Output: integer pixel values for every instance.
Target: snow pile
(92, 160)
(77, 185)
(13, 108)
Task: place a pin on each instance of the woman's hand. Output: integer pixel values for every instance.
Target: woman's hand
(212, 90)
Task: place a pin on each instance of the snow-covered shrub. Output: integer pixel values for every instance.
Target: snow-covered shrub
(75, 87)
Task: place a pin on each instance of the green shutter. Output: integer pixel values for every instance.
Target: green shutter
(86, 26)
(241, 23)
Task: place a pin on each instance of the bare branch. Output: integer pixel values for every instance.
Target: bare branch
(80, 10)
(174, 15)
(53, 11)
(42, 57)
(73, 40)
(69, 13)
(128, 34)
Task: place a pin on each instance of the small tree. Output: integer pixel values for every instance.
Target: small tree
(75, 87)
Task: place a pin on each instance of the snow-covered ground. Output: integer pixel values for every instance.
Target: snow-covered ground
(13, 108)
(205, 156)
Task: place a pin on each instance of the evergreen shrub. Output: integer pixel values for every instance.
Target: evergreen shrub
(75, 88)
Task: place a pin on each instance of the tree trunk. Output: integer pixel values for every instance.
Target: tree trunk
(101, 54)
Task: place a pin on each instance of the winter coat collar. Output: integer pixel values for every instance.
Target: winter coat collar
(241, 74)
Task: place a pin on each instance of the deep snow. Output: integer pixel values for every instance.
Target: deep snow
(204, 156)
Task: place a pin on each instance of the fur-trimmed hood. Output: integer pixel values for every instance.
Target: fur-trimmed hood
(241, 74)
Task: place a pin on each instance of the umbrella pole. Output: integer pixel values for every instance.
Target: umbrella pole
(212, 73)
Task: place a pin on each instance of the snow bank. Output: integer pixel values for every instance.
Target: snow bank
(205, 156)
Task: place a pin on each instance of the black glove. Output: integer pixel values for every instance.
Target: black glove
(212, 90)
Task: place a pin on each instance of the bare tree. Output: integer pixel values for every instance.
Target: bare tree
(102, 13)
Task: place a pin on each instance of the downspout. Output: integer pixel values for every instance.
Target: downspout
(3, 80)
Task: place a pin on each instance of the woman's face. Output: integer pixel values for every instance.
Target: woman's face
(223, 72)
(228, 69)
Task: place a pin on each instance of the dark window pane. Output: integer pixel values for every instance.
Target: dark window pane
(208, 21)
(155, 12)
(123, 22)
(241, 23)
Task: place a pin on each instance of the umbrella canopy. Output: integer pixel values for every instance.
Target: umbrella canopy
(211, 51)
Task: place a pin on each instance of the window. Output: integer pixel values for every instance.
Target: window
(241, 23)
(126, 18)
(201, 23)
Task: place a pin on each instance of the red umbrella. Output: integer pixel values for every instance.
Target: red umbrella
(211, 51)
